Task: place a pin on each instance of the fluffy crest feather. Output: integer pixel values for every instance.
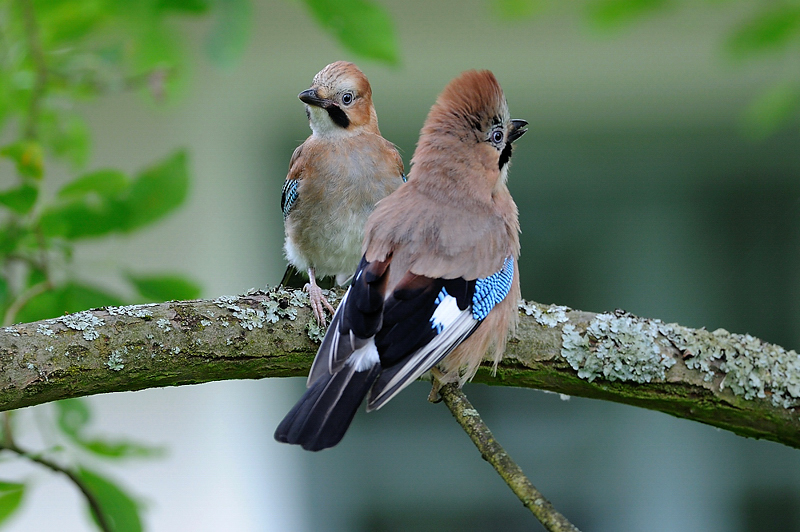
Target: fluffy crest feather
(474, 98)
(343, 74)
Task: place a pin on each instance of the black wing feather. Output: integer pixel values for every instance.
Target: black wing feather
(321, 417)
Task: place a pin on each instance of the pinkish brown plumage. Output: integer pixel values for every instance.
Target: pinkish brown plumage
(335, 178)
(438, 284)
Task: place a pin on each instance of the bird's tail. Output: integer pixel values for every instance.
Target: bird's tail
(321, 417)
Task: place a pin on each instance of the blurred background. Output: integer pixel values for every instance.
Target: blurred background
(654, 178)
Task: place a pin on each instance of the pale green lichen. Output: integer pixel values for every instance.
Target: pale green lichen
(164, 325)
(205, 323)
(315, 332)
(617, 346)
(223, 301)
(133, 311)
(114, 361)
(279, 309)
(750, 367)
(271, 310)
(13, 331)
(624, 347)
(249, 318)
(550, 317)
(45, 329)
(83, 321)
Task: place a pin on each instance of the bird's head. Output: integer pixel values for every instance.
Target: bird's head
(470, 122)
(339, 102)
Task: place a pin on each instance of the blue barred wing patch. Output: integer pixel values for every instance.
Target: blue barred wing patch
(492, 290)
(404, 177)
(289, 196)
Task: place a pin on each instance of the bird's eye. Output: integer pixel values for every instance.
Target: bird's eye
(497, 137)
(347, 98)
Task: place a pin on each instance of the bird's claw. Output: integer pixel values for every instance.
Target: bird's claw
(318, 303)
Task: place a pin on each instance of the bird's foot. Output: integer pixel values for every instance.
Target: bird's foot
(318, 303)
(436, 385)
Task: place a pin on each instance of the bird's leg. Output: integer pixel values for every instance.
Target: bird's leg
(436, 385)
(317, 300)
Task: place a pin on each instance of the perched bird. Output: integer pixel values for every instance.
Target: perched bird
(335, 178)
(438, 281)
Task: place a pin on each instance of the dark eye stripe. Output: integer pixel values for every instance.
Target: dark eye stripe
(505, 155)
(338, 116)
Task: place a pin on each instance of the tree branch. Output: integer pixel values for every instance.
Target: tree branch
(91, 500)
(506, 467)
(732, 381)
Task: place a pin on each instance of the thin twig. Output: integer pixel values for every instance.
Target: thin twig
(8, 438)
(22, 300)
(94, 504)
(493, 452)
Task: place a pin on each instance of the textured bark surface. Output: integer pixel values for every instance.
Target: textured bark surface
(731, 381)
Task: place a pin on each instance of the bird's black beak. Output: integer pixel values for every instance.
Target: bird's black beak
(311, 97)
(517, 129)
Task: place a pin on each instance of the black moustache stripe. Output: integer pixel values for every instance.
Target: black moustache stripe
(338, 116)
(505, 155)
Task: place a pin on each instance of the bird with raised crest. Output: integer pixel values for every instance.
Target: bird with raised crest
(335, 179)
(438, 284)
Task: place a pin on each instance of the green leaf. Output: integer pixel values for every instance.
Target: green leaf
(158, 191)
(360, 25)
(165, 287)
(11, 494)
(119, 509)
(72, 297)
(770, 30)
(3, 293)
(93, 206)
(518, 9)
(106, 183)
(90, 216)
(72, 416)
(229, 35)
(67, 138)
(63, 21)
(21, 199)
(9, 239)
(28, 156)
(189, 7)
(120, 449)
(106, 201)
(772, 110)
(614, 12)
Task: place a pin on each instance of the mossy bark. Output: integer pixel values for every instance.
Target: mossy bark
(254, 336)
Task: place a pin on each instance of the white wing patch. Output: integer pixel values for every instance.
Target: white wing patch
(365, 357)
(456, 325)
(446, 312)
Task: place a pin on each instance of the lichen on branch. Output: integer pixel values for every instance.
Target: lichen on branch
(732, 381)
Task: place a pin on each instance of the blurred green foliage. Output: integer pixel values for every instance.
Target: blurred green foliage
(55, 54)
(11, 494)
(766, 29)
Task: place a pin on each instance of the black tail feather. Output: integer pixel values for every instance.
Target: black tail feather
(293, 278)
(321, 417)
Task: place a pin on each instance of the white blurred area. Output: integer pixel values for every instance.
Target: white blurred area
(620, 468)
